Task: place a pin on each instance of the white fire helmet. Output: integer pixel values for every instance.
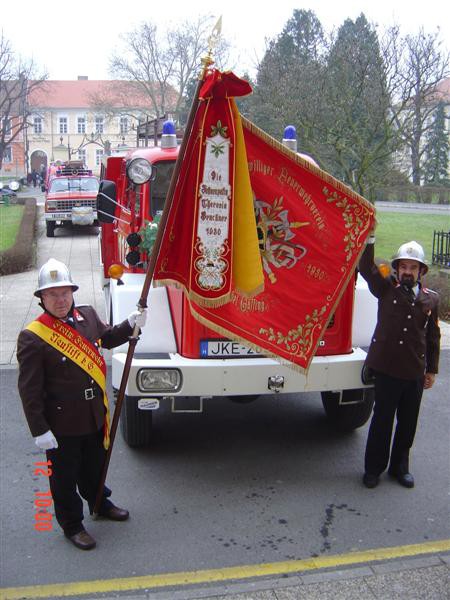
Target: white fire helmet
(53, 274)
(410, 251)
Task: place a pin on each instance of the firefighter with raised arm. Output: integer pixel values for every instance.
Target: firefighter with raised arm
(403, 356)
(62, 386)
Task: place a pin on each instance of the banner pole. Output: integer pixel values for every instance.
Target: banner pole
(142, 304)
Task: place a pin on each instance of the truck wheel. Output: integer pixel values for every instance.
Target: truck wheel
(351, 411)
(135, 424)
(50, 227)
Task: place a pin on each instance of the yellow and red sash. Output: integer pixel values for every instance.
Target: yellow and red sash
(71, 344)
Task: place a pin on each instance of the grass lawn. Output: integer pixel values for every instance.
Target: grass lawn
(394, 229)
(10, 218)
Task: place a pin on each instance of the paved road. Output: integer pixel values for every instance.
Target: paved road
(262, 501)
(414, 207)
(263, 484)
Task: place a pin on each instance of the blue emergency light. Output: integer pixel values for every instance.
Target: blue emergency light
(168, 128)
(290, 133)
(169, 135)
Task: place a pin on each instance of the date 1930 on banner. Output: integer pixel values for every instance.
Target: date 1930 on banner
(43, 500)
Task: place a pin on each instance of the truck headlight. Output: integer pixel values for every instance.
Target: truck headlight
(139, 170)
(159, 380)
(52, 204)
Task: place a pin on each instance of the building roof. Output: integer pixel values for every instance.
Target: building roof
(443, 90)
(85, 93)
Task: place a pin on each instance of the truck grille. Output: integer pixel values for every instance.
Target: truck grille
(69, 204)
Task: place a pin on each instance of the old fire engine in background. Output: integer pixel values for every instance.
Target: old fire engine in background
(180, 361)
(70, 195)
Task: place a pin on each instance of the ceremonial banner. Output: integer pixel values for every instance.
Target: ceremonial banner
(311, 231)
(211, 246)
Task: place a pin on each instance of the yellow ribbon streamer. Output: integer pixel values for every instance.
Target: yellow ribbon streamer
(248, 273)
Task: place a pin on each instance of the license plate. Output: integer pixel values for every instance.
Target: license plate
(224, 349)
(57, 216)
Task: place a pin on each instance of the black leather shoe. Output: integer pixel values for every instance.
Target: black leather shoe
(404, 479)
(82, 540)
(114, 513)
(371, 481)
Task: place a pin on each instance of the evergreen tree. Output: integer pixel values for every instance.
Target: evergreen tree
(286, 90)
(356, 148)
(437, 150)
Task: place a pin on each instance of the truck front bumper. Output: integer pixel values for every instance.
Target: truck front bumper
(244, 376)
(77, 217)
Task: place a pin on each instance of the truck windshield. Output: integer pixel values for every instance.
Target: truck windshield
(160, 187)
(77, 184)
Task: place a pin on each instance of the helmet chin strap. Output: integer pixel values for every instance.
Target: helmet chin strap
(42, 305)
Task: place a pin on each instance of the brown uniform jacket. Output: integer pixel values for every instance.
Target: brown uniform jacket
(52, 387)
(406, 340)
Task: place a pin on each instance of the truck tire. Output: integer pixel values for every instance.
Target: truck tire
(350, 412)
(50, 228)
(135, 424)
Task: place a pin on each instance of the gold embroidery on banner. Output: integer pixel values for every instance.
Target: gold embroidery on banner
(316, 272)
(297, 341)
(245, 304)
(351, 213)
(275, 237)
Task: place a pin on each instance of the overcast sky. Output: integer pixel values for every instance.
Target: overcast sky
(77, 38)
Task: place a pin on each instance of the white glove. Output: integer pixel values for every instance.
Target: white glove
(138, 318)
(46, 441)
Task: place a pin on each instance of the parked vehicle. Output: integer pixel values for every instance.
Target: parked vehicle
(182, 362)
(70, 196)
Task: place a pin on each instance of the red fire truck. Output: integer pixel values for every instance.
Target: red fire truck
(180, 361)
(70, 195)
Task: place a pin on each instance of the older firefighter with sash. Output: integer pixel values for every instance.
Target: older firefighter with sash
(63, 390)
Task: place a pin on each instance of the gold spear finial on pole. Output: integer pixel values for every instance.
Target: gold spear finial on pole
(212, 43)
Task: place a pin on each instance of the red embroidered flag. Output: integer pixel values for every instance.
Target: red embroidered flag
(211, 245)
(311, 230)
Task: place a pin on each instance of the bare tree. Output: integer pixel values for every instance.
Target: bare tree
(425, 64)
(18, 78)
(160, 67)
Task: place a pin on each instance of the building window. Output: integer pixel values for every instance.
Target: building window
(7, 126)
(81, 124)
(98, 124)
(82, 155)
(37, 125)
(7, 155)
(62, 124)
(123, 125)
(98, 157)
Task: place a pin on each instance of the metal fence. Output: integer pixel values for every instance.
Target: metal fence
(441, 248)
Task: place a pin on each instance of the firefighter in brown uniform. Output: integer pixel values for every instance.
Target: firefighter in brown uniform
(403, 356)
(61, 384)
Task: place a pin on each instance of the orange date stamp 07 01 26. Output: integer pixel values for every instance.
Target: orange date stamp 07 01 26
(43, 500)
